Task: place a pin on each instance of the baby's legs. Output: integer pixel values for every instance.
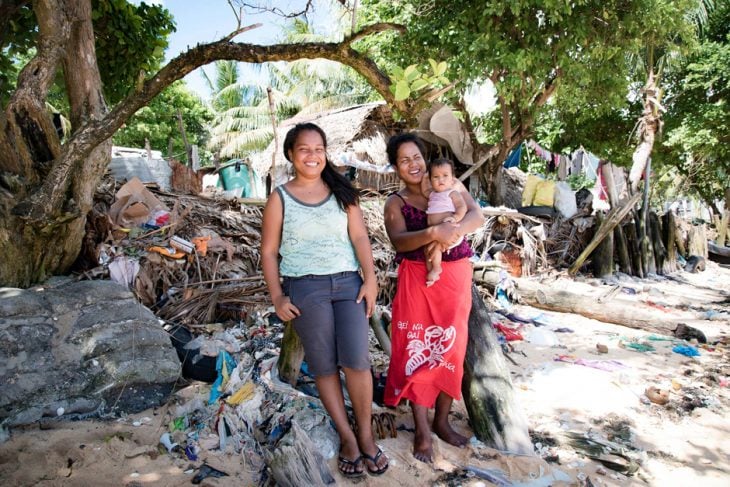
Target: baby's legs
(434, 267)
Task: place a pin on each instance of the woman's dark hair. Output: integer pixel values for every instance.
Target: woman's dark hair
(345, 194)
(398, 140)
(438, 162)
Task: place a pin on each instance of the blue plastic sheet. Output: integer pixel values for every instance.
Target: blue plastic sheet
(224, 365)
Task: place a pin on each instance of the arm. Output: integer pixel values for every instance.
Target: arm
(400, 237)
(273, 222)
(361, 243)
(459, 205)
(474, 218)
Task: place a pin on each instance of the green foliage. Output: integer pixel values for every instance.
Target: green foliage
(129, 39)
(158, 122)
(696, 150)
(410, 81)
(16, 46)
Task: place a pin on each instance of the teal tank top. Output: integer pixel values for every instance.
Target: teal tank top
(314, 238)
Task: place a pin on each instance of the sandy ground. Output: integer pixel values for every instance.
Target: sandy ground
(685, 442)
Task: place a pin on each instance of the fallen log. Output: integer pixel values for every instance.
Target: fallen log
(582, 299)
(494, 414)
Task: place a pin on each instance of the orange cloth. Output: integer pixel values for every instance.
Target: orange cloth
(429, 333)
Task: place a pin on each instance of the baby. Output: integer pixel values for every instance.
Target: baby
(445, 204)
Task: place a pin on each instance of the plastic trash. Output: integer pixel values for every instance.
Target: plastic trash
(206, 471)
(543, 338)
(166, 440)
(686, 350)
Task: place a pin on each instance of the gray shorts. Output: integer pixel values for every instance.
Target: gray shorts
(333, 327)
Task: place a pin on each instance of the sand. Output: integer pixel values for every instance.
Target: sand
(683, 443)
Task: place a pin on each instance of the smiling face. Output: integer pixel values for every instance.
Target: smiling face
(410, 165)
(308, 154)
(442, 177)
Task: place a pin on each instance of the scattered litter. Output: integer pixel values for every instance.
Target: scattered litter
(687, 350)
(607, 365)
(657, 396)
(206, 471)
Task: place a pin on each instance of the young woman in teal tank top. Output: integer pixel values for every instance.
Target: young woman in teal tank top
(313, 241)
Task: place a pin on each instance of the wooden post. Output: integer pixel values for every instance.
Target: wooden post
(494, 414)
(660, 251)
(622, 250)
(669, 228)
(602, 257)
(613, 218)
(633, 243)
(291, 355)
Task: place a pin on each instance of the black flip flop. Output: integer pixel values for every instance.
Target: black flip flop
(374, 459)
(353, 474)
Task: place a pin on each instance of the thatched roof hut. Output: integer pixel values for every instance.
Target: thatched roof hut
(356, 137)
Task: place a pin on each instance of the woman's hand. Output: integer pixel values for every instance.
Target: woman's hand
(285, 310)
(369, 291)
(446, 233)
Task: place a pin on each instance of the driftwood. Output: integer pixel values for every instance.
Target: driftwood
(613, 218)
(494, 413)
(583, 299)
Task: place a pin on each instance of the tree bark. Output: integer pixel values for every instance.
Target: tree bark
(632, 241)
(494, 414)
(660, 251)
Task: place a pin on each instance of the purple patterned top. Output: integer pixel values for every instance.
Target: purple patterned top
(416, 219)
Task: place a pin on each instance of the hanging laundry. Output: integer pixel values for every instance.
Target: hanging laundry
(513, 160)
(541, 153)
(562, 168)
(552, 164)
(590, 166)
(576, 163)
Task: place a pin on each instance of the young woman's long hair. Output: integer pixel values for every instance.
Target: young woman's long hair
(344, 192)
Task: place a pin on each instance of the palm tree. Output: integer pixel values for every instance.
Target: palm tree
(243, 115)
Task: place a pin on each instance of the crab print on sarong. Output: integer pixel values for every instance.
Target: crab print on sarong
(436, 342)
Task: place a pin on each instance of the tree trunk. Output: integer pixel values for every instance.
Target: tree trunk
(622, 250)
(44, 214)
(494, 414)
(649, 125)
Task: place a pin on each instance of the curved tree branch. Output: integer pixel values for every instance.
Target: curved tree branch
(48, 200)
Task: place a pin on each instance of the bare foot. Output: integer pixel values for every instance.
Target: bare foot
(432, 277)
(447, 434)
(423, 447)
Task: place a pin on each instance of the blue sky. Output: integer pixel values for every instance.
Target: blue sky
(201, 22)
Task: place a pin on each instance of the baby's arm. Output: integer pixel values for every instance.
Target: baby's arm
(459, 205)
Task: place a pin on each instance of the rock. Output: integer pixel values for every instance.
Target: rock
(601, 348)
(689, 333)
(84, 348)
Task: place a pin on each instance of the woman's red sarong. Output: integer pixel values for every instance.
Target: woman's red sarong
(429, 333)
